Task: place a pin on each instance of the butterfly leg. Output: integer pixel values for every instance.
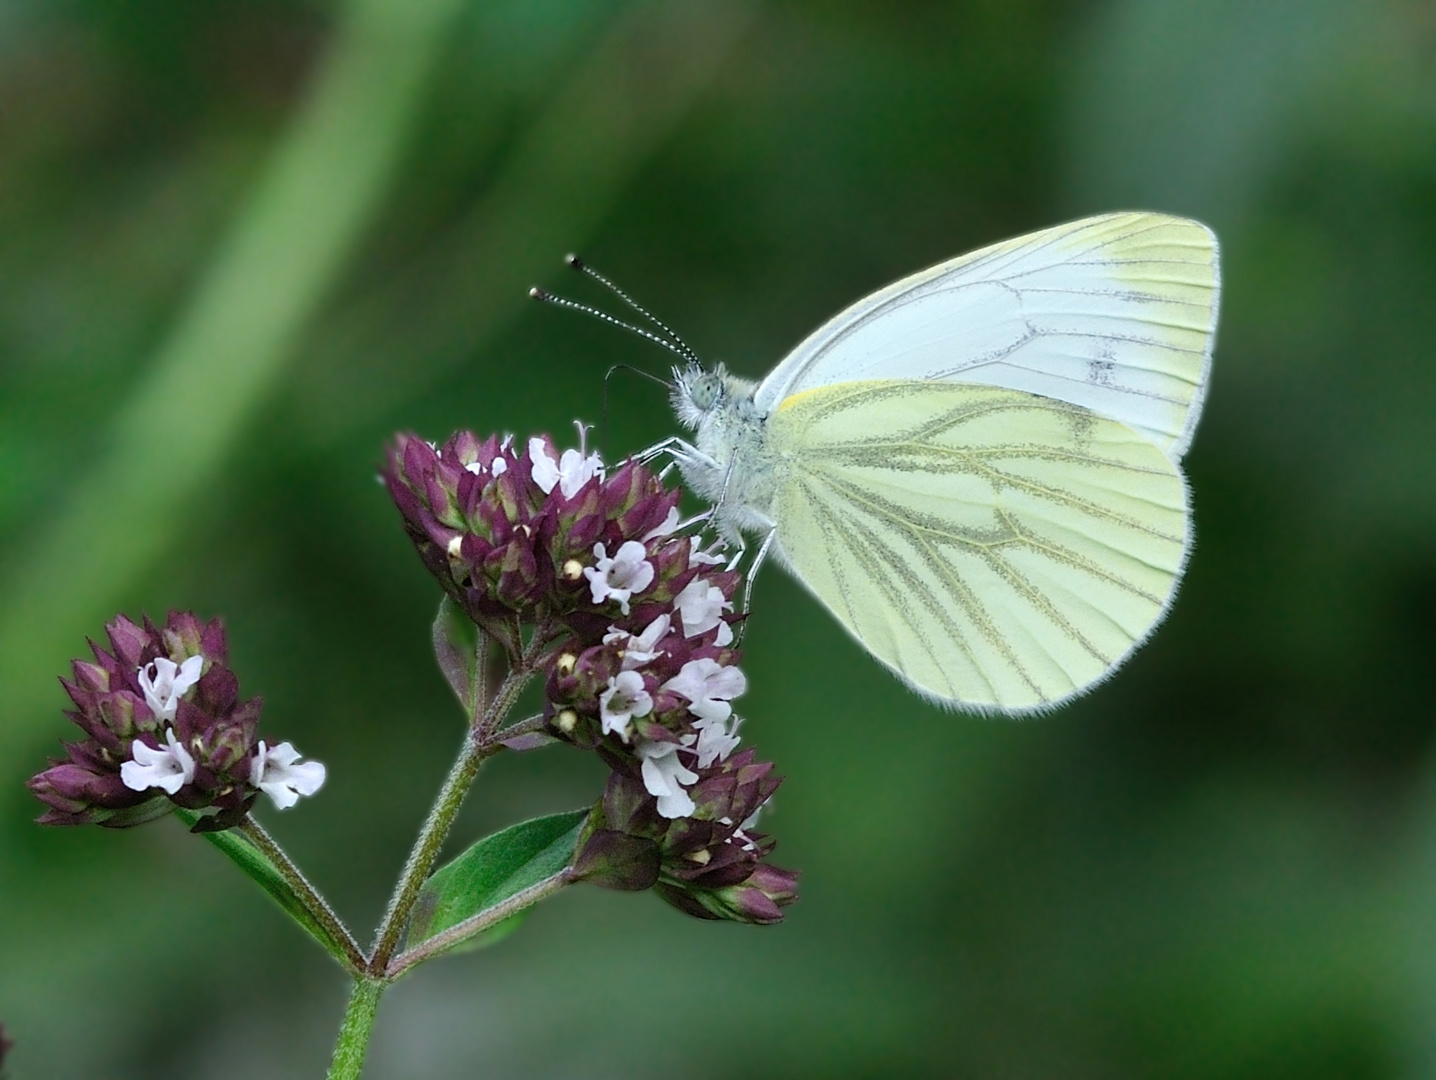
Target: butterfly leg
(680, 450)
(758, 560)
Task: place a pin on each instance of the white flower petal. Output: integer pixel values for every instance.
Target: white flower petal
(575, 470)
(664, 776)
(545, 468)
(708, 686)
(700, 605)
(619, 577)
(169, 768)
(164, 682)
(715, 742)
(280, 774)
(624, 699)
(640, 649)
(698, 557)
(667, 526)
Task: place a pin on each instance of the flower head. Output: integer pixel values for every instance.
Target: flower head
(553, 555)
(540, 536)
(164, 726)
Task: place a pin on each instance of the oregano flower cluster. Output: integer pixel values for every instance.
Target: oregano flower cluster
(557, 572)
(630, 620)
(165, 728)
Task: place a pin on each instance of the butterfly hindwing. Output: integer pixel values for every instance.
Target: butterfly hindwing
(997, 549)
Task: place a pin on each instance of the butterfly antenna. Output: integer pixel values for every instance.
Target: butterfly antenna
(684, 349)
(635, 370)
(573, 305)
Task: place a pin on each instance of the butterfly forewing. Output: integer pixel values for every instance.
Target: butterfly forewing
(998, 549)
(1114, 313)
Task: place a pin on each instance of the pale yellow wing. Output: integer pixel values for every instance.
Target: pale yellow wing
(999, 550)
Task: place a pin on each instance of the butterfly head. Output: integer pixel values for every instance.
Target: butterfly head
(697, 392)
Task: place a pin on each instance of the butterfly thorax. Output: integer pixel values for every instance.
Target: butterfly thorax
(738, 472)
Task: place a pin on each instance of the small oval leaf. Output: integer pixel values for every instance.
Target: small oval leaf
(490, 872)
(459, 648)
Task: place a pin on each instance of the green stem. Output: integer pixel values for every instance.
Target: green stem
(436, 828)
(313, 901)
(477, 924)
(353, 1042)
(528, 726)
(426, 851)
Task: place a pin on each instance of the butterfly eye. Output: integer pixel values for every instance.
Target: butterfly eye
(704, 390)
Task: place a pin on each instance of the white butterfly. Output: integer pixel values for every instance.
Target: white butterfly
(976, 468)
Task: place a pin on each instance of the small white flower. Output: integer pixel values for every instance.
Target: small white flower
(709, 686)
(570, 472)
(669, 524)
(664, 776)
(641, 649)
(280, 774)
(716, 740)
(169, 768)
(496, 468)
(618, 578)
(701, 606)
(167, 684)
(624, 699)
(698, 557)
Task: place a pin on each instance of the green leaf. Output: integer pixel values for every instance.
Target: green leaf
(256, 864)
(459, 647)
(490, 872)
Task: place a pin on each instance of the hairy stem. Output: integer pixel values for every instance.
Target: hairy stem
(477, 748)
(477, 924)
(353, 1041)
(530, 725)
(313, 902)
(426, 851)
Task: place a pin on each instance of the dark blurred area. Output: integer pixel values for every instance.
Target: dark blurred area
(242, 243)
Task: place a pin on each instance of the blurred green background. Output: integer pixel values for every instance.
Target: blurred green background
(243, 242)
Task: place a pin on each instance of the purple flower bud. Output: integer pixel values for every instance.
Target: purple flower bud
(617, 860)
(759, 899)
(711, 867)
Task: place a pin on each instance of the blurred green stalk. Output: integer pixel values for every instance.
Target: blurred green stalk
(353, 1044)
(226, 352)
